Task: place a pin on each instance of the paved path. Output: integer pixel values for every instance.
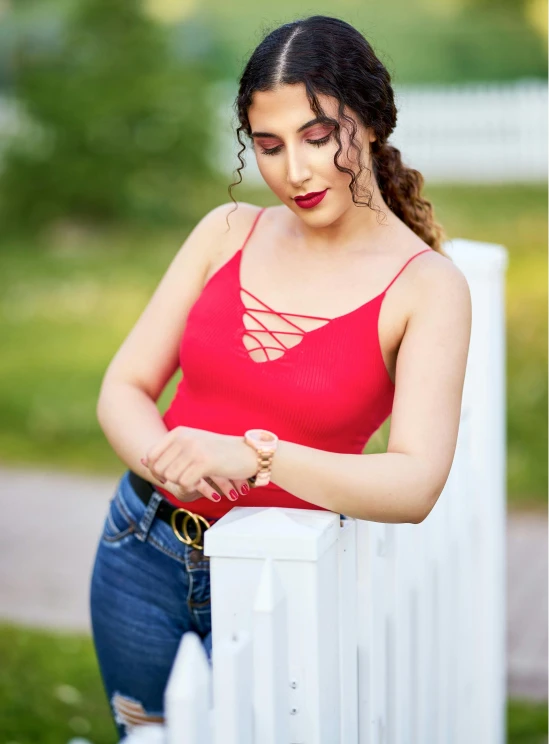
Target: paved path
(51, 526)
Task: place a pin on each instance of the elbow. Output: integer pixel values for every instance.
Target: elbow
(101, 406)
(104, 400)
(426, 506)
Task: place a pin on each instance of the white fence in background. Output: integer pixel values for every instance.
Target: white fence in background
(356, 632)
(476, 132)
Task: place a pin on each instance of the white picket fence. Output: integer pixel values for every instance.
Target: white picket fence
(355, 632)
(475, 132)
(478, 132)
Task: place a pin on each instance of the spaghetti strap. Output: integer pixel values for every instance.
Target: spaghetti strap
(252, 228)
(405, 265)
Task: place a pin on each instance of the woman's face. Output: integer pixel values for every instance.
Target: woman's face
(295, 155)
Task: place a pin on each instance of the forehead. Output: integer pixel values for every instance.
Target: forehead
(285, 109)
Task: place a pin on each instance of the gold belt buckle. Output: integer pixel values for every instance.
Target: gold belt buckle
(185, 537)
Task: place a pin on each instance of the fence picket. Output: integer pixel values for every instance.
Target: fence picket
(188, 694)
(348, 662)
(271, 673)
(233, 687)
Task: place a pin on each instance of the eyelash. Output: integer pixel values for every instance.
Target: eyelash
(316, 143)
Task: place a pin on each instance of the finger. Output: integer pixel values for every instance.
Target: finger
(175, 472)
(225, 486)
(172, 456)
(242, 486)
(192, 480)
(184, 496)
(150, 474)
(160, 447)
(208, 491)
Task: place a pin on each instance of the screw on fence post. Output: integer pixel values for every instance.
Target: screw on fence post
(293, 684)
(293, 711)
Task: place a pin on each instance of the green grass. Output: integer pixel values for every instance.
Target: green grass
(50, 691)
(68, 300)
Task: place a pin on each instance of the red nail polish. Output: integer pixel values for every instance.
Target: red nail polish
(245, 488)
(216, 497)
(233, 494)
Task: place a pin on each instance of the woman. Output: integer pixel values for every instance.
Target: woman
(292, 323)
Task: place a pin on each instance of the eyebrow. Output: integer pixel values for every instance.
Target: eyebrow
(301, 128)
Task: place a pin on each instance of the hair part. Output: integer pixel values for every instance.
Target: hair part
(330, 57)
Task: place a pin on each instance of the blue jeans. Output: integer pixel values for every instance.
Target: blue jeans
(147, 590)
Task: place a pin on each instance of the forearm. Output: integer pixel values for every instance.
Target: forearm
(131, 423)
(388, 487)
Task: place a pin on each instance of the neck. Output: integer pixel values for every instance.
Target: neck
(358, 229)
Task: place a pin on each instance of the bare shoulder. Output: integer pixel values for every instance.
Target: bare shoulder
(438, 280)
(226, 228)
(159, 328)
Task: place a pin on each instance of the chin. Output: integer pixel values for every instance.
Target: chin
(319, 217)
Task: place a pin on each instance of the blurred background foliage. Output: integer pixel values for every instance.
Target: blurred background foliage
(106, 171)
(113, 97)
(113, 119)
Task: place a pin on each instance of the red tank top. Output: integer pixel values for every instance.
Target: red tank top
(331, 391)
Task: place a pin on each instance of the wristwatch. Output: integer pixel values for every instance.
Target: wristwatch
(265, 444)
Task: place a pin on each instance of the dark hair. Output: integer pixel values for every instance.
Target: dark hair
(331, 57)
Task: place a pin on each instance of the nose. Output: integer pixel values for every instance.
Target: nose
(297, 167)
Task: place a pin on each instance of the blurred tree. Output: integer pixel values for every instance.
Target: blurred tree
(115, 125)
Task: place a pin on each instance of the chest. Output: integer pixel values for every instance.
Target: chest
(292, 298)
(331, 378)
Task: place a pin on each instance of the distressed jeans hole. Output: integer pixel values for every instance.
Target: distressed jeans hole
(130, 713)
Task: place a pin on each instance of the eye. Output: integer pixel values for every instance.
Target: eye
(320, 142)
(315, 142)
(272, 151)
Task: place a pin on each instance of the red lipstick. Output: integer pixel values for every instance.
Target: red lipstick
(310, 200)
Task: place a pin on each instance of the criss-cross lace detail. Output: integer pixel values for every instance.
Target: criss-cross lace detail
(262, 341)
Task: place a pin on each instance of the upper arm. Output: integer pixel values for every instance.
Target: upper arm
(430, 372)
(149, 355)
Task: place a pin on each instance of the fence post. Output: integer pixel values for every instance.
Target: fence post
(302, 544)
(484, 265)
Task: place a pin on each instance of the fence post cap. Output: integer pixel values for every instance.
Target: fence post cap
(477, 257)
(262, 532)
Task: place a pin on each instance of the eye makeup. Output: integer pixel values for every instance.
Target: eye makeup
(315, 142)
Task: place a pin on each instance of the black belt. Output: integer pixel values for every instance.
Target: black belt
(178, 518)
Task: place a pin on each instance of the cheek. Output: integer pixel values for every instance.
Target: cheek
(331, 171)
(271, 172)
(349, 156)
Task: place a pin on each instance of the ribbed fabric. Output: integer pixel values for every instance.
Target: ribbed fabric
(331, 391)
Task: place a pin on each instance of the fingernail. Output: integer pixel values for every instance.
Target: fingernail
(143, 461)
(245, 488)
(216, 497)
(233, 494)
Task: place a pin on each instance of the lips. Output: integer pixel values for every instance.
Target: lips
(310, 195)
(311, 199)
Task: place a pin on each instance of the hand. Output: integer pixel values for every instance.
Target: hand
(185, 457)
(214, 491)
